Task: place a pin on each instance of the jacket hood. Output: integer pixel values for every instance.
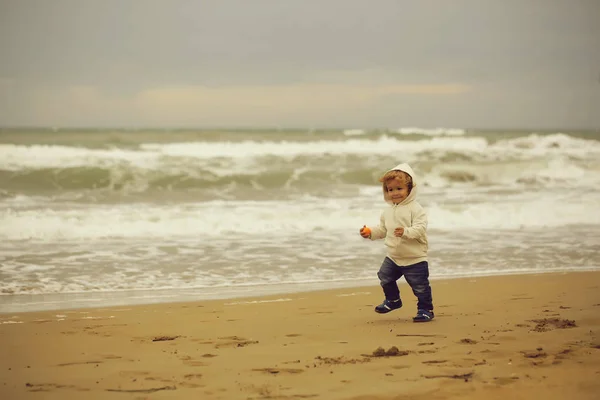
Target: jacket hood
(413, 193)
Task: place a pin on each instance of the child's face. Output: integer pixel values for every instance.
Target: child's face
(397, 190)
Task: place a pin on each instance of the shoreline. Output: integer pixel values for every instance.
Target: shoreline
(519, 336)
(141, 297)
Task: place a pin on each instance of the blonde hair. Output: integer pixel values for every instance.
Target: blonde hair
(396, 174)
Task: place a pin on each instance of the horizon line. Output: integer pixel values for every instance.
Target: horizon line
(291, 128)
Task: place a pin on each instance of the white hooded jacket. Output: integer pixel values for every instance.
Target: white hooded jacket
(412, 247)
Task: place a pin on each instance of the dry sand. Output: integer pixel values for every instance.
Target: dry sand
(517, 337)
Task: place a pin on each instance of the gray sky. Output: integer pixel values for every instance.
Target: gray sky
(301, 63)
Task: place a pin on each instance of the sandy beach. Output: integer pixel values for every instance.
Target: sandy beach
(519, 336)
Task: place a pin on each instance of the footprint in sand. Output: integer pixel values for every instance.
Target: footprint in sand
(561, 355)
(195, 363)
(468, 363)
(505, 380)
(133, 374)
(340, 360)
(112, 357)
(464, 377)
(279, 370)
(164, 338)
(548, 324)
(188, 381)
(435, 362)
(202, 341)
(149, 390)
(234, 341)
(539, 355)
(159, 379)
(271, 392)
(391, 352)
(416, 335)
(47, 387)
(79, 363)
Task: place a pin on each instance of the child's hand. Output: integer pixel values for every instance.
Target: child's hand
(365, 232)
(398, 232)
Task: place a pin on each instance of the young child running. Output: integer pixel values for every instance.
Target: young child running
(403, 225)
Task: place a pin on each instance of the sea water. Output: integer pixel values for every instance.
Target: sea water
(116, 217)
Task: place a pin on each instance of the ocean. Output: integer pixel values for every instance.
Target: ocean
(108, 217)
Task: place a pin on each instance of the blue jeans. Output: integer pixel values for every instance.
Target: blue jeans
(416, 275)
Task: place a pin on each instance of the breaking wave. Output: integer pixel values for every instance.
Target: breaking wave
(310, 166)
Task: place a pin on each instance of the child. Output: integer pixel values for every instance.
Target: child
(404, 227)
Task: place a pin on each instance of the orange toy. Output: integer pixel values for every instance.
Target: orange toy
(366, 230)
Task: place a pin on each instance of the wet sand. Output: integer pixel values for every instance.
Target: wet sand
(518, 337)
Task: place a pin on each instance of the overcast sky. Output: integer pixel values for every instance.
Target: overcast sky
(300, 63)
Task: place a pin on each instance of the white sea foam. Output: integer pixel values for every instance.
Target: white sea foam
(282, 217)
(153, 155)
(354, 132)
(431, 132)
(17, 157)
